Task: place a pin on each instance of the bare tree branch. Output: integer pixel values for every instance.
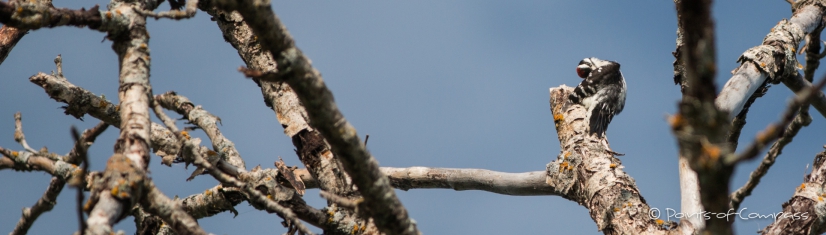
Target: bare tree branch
(803, 212)
(689, 183)
(124, 183)
(44, 204)
(800, 85)
(587, 173)
(384, 207)
(774, 60)
(31, 15)
(9, 36)
(773, 131)
(255, 196)
(311, 148)
(18, 133)
(700, 126)
(517, 184)
(207, 122)
(776, 149)
(171, 212)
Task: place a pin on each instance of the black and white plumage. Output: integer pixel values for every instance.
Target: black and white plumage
(602, 92)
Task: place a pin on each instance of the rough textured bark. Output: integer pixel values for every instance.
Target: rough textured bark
(774, 59)
(124, 183)
(9, 36)
(207, 122)
(32, 15)
(776, 149)
(380, 201)
(585, 172)
(689, 183)
(312, 149)
(803, 213)
(699, 126)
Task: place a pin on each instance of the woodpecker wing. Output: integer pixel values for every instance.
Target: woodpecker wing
(603, 93)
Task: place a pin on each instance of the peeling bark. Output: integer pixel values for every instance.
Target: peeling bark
(587, 173)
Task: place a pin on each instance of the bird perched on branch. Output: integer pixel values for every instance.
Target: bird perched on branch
(602, 92)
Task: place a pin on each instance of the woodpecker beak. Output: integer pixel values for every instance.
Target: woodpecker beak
(583, 69)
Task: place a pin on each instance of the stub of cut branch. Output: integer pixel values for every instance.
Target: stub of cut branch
(774, 59)
(587, 173)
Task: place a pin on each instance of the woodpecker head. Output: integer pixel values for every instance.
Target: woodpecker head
(587, 65)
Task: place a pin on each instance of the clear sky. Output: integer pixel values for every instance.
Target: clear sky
(461, 84)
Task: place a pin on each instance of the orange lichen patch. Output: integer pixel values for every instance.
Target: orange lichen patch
(269, 196)
(616, 209)
(712, 151)
(820, 199)
(211, 153)
(118, 12)
(186, 135)
(208, 192)
(562, 166)
(567, 154)
(19, 10)
(799, 66)
(558, 117)
(355, 229)
(762, 64)
(143, 46)
(570, 167)
(613, 165)
(114, 191)
(767, 134)
(794, 50)
(676, 121)
(108, 15)
(117, 108)
(15, 153)
(660, 222)
(87, 206)
(802, 186)
(124, 195)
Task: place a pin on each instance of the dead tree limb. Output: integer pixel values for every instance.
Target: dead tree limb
(380, 200)
(803, 213)
(773, 60)
(587, 173)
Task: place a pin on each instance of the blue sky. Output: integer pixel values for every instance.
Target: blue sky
(461, 84)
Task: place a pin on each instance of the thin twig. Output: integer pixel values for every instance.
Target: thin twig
(773, 131)
(81, 154)
(18, 133)
(768, 160)
(254, 195)
(44, 204)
